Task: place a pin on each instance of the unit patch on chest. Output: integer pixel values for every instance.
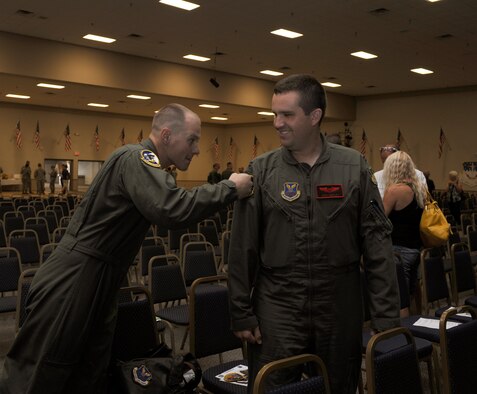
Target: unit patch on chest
(290, 191)
(150, 158)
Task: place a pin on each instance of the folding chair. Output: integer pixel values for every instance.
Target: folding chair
(41, 227)
(174, 239)
(24, 283)
(198, 261)
(318, 384)
(10, 270)
(50, 217)
(396, 370)
(151, 246)
(13, 221)
(27, 211)
(208, 228)
(463, 277)
(26, 242)
(189, 237)
(210, 332)
(58, 234)
(46, 250)
(459, 352)
(3, 238)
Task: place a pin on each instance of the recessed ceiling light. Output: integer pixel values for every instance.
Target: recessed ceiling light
(286, 33)
(18, 96)
(364, 55)
(49, 85)
(219, 118)
(94, 37)
(271, 72)
(209, 106)
(197, 58)
(433, 1)
(331, 84)
(422, 71)
(266, 113)
(185, 5)
(138, 97)
(98, 105)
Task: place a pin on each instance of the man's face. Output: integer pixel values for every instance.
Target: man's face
(293, 126)
(184, 144)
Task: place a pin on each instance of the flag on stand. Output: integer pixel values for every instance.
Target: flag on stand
(215, 147)
(399, 139)
(139, 136)
(96, 137)
(442, 141)
(254, 148)
(36, 136)
(231, 148)
(362, 145)
(67, 138)
(122, 137)
(18, 135)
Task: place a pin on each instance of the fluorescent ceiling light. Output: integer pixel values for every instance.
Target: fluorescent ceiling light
(197, 58)
(266, 113)
(271, 72)
(286, 33)
(364, 55)
(94, 37)
(138, 97)
(219, 118)
(49, 85)
(433, 1)
(209, 106)
(422, 71)
(98, 105)
(18, 96)
(185, 5)
(331, 84)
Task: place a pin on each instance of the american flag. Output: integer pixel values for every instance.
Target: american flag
(362, 145)
(122, 136)
(36, 136)
(67, 138)
(254, 148)
(399, 138)
(139, 136)
(215, 147)
(96, 137)
(231, 148)
(18, 135)
(442, 142)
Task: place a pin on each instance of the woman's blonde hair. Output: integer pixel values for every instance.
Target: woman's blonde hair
(399, 168)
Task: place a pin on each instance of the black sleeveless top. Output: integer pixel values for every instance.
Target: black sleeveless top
(406, 225)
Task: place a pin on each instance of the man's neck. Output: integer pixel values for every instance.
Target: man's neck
(310, 154)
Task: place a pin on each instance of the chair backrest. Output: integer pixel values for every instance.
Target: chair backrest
(26, 242)
(166, 282)
(472, 238)
(465, 220)
(57, 209)
(198, 261)
(41, 227)
(174, 238)
(58, 234)
(46, 250)
(10, 269)
(209, 316)
(64, 207)
(23, 283)
(394, 371)
(51, 219)
(3, 237)
(315, 384)
(462, 273)
(37, 205)
(152, 246)
(27, 211)
(208, 228)
(135, 334)
(13, 221)
(459, 352)
(189, 237)
(434, 282)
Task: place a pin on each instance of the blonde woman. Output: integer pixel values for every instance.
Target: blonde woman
(403, 201)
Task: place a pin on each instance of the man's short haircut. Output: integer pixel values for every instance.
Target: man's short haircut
(171, 115)
(312, 94)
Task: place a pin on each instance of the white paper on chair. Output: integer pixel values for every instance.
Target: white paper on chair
(434, 323)
(236, 375)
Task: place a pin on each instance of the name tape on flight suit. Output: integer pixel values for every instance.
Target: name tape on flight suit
(150, 158)
(329, 191)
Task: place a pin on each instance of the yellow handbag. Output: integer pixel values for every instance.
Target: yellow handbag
(434, 227)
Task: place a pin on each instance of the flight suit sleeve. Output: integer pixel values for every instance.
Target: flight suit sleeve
(244, 259)
(382, 286)
(155, 194)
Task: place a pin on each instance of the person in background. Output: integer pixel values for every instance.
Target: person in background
(334, 139)
(240, 170)
(297, 245)
(65, 341)
(53, 176)
(214, 175)
(454, 192)
(228, 171)
(40, 177)
(404, 198)
(431, 187)
(65, 179)
(386, 151)
(26, 178)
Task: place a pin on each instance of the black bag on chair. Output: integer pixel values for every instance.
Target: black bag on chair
(159, 373)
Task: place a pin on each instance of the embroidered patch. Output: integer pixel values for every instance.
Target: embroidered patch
(373, 178)
(290, 191)
(141, 375)
(150, 158)
(329, 191)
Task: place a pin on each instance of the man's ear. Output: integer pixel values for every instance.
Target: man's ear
(316, 115)
(165, 135)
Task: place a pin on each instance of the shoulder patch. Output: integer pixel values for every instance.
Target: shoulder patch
(150, 158)
(373, 178)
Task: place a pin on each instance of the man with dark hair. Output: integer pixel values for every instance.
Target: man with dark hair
(64, 344)
(297, 245)
(228, 171)
(214, 175)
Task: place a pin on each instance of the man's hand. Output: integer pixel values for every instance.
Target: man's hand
(251, 336)
(243, 183)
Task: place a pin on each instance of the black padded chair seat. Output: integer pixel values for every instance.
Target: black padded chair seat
(8, 304)
(216, 386)
(176, 315)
